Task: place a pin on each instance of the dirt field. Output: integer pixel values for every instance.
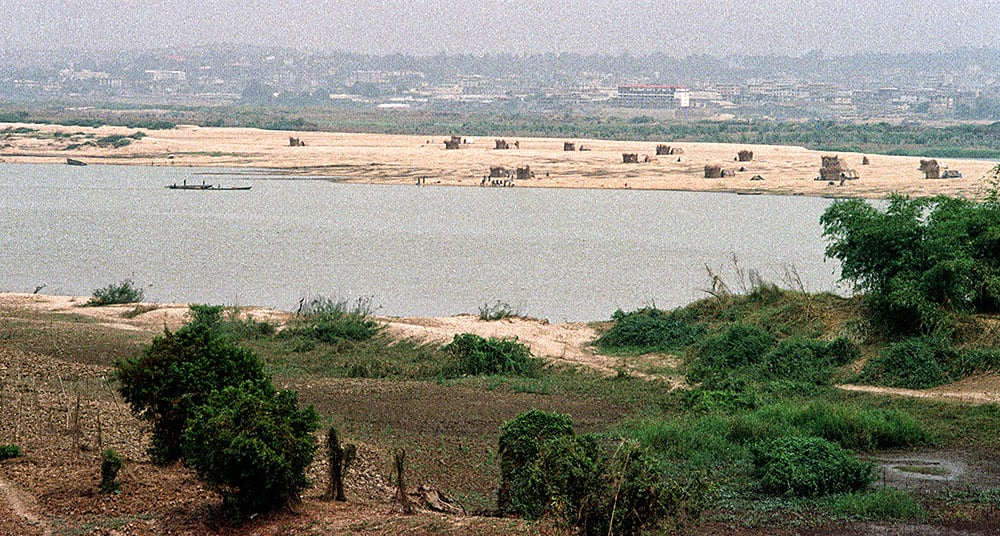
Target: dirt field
(397, 159)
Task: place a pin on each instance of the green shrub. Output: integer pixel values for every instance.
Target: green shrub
(521, 438)
(498, 311)
(882, 505)
(808, 467)
(111, 463)
(840, 351)
(547, 470)
(251, 444)
(848, 426)
(176, 373)
(565, 473)
(478, 356)
(738, 346)
(797, 360)
(333, 321)
(635, 495)
(116, 141)
(648, 330)
(119, 293)
(976, 361)
(240, 327)
(10, 451)
(914, 363)
(854, 428)
(724, 393)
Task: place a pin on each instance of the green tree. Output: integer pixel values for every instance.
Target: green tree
(252, 444)
(178, 371)
(918, 261)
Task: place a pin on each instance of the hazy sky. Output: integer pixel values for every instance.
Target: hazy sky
(679, 27)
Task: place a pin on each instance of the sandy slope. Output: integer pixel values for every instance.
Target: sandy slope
(398, 159)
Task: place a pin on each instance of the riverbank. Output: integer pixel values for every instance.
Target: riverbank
(401, 159)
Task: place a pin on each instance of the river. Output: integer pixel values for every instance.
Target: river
(560, 254)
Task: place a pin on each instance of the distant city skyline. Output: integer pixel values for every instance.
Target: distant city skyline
(679, 28)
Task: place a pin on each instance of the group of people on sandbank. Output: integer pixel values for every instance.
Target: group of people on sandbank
(503, 182)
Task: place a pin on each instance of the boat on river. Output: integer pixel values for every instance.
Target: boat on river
(204, 186)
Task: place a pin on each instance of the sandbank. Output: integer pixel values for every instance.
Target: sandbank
(405, 159)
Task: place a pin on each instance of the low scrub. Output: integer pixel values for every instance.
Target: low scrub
(808, 467)
(123, 292)
(111, 464)
(498, 311)
(548, 470)
(738, 346)
(723, 393)
(848, 426)
(332, 321)
(651, 330)
(477, 356)
(914, 363)
(882, 505)
(10, 451)
(176, 373)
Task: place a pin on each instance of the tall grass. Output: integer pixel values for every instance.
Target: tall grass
(881, 505)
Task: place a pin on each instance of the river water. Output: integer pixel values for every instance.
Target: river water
(565, 255)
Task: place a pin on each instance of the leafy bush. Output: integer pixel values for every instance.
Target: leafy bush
(332, 321)
(520, 443)
(649, 329)
(914, 363)
(808, 467)
(119, 293)
(111, 463)
(239, 327)
(10, 451)
(251, 444)
(635, 495)
(547, 470)
(738, 346)
(565, 473)
(976, 361)
(178, 371)
(796, 359)
(882, 505)
(724, 393)
(478, 356)
(840, 351)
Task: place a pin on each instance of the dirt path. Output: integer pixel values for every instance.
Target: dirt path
(22, 506)
(981, 390)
